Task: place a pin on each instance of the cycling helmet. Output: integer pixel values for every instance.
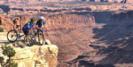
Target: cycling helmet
(41, 17)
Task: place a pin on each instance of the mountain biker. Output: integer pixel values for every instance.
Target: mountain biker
(28, 26)
(40, 22)
(31, 24)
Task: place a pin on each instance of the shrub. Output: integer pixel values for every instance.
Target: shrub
(9, 52)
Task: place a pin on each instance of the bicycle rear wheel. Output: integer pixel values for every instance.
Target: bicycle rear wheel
(12, 36)
(40, 37)
(27, 40)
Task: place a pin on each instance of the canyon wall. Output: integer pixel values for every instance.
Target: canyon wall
(71, 32)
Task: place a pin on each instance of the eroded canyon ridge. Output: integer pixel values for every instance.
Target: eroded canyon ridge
(88, 38)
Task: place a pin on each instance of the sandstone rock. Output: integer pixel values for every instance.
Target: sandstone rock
(36, 56)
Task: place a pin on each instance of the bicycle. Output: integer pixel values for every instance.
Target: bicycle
(35, 36)
(39, 36)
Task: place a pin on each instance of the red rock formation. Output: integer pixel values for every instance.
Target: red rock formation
(6, 22)
(71, 32)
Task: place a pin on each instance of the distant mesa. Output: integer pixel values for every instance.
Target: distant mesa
(34, 1)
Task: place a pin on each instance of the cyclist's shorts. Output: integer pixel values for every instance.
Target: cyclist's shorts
(26, 29)
(26, 32)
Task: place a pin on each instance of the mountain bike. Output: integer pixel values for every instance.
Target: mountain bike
(39, 36)
(35, 36)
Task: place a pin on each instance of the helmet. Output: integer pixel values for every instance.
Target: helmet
(41, 17)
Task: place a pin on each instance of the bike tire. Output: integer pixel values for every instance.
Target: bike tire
(40, 37)
(27, 40)
(12, 33)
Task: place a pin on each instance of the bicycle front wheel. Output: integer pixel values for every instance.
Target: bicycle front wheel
(12, 36)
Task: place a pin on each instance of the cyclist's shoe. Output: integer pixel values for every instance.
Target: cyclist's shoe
(33, 40)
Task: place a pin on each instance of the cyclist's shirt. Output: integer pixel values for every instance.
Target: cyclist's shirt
(40, 23)
(28, 26)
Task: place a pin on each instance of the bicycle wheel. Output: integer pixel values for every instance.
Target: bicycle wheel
(12, 36)
(40, 37)
(27, 40)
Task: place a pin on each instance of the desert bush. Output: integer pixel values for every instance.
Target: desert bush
(9, 52)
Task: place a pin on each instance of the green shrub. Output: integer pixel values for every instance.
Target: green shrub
(9, 52)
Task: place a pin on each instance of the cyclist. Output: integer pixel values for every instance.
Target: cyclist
(40, 23)
(28, 26)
